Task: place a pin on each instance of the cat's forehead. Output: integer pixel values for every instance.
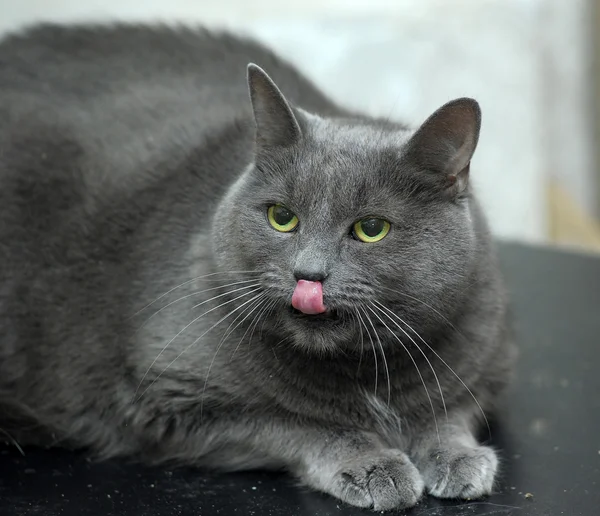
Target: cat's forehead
(344, 167)
(355, 134)
(346, 155)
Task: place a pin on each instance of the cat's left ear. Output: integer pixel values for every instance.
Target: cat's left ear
(446, 141)
(276, 124)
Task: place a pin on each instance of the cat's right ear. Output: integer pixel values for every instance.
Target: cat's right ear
(276, 125)
(446, 141)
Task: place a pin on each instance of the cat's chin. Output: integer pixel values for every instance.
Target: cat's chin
(328, 332)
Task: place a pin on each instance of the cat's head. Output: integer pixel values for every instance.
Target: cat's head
(344, 219)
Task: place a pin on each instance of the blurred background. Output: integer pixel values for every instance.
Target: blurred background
(532, 64)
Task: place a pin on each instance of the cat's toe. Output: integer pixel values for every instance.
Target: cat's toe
(466, 473)
(385, 481)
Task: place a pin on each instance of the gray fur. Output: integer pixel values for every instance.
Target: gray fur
(133, 161)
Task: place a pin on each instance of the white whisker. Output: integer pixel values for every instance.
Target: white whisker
(453, 372)
(437, 381)
(244, 314)
(254, 324)
(445, 319)
(230, 330)
(188, 325)
(197, 278)
(263, 315)
(225, 294)
(276, 345)
(265, 319)
(196, 294)
(382, 355)
(418, 372)
(13, 441)
(256, 307)
(198, 339)
(260, 300)
(251, 327)
(373, 348)
(362, 341)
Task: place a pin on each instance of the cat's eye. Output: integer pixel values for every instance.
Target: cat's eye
(281, 218)
(370, 230)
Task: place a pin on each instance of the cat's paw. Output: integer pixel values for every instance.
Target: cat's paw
(380, 481)
(462, 472)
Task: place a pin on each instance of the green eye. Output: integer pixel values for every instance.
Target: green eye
(281, 218)
(371, 230)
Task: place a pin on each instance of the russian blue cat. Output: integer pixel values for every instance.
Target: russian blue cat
(206, 264)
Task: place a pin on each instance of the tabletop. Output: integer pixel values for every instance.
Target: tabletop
(548, 430)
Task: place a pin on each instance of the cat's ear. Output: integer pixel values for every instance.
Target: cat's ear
(446, 141)
(276, 125)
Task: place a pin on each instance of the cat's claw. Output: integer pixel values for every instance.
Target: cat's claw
(384, 481)
(465, 472)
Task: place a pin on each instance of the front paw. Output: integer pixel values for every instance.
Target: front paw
(382, 481)
(462, 472)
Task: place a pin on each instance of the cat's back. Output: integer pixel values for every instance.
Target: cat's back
(122, 79)
(83, 61)
(131, 95)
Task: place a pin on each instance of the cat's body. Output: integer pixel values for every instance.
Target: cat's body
(120, 149)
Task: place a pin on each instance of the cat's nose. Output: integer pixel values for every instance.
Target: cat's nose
(310, 275)
(312, 263)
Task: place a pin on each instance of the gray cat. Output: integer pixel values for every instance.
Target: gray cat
(192, 274)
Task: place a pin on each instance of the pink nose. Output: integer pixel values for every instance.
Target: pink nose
(308, 297)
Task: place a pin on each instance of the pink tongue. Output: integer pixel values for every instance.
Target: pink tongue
(308, 297)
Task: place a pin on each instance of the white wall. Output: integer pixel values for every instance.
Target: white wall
(405, 58)
(568, 95)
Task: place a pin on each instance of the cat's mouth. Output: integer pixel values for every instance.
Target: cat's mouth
(330, 315)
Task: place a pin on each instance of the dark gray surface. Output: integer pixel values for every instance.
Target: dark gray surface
(548, 432)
